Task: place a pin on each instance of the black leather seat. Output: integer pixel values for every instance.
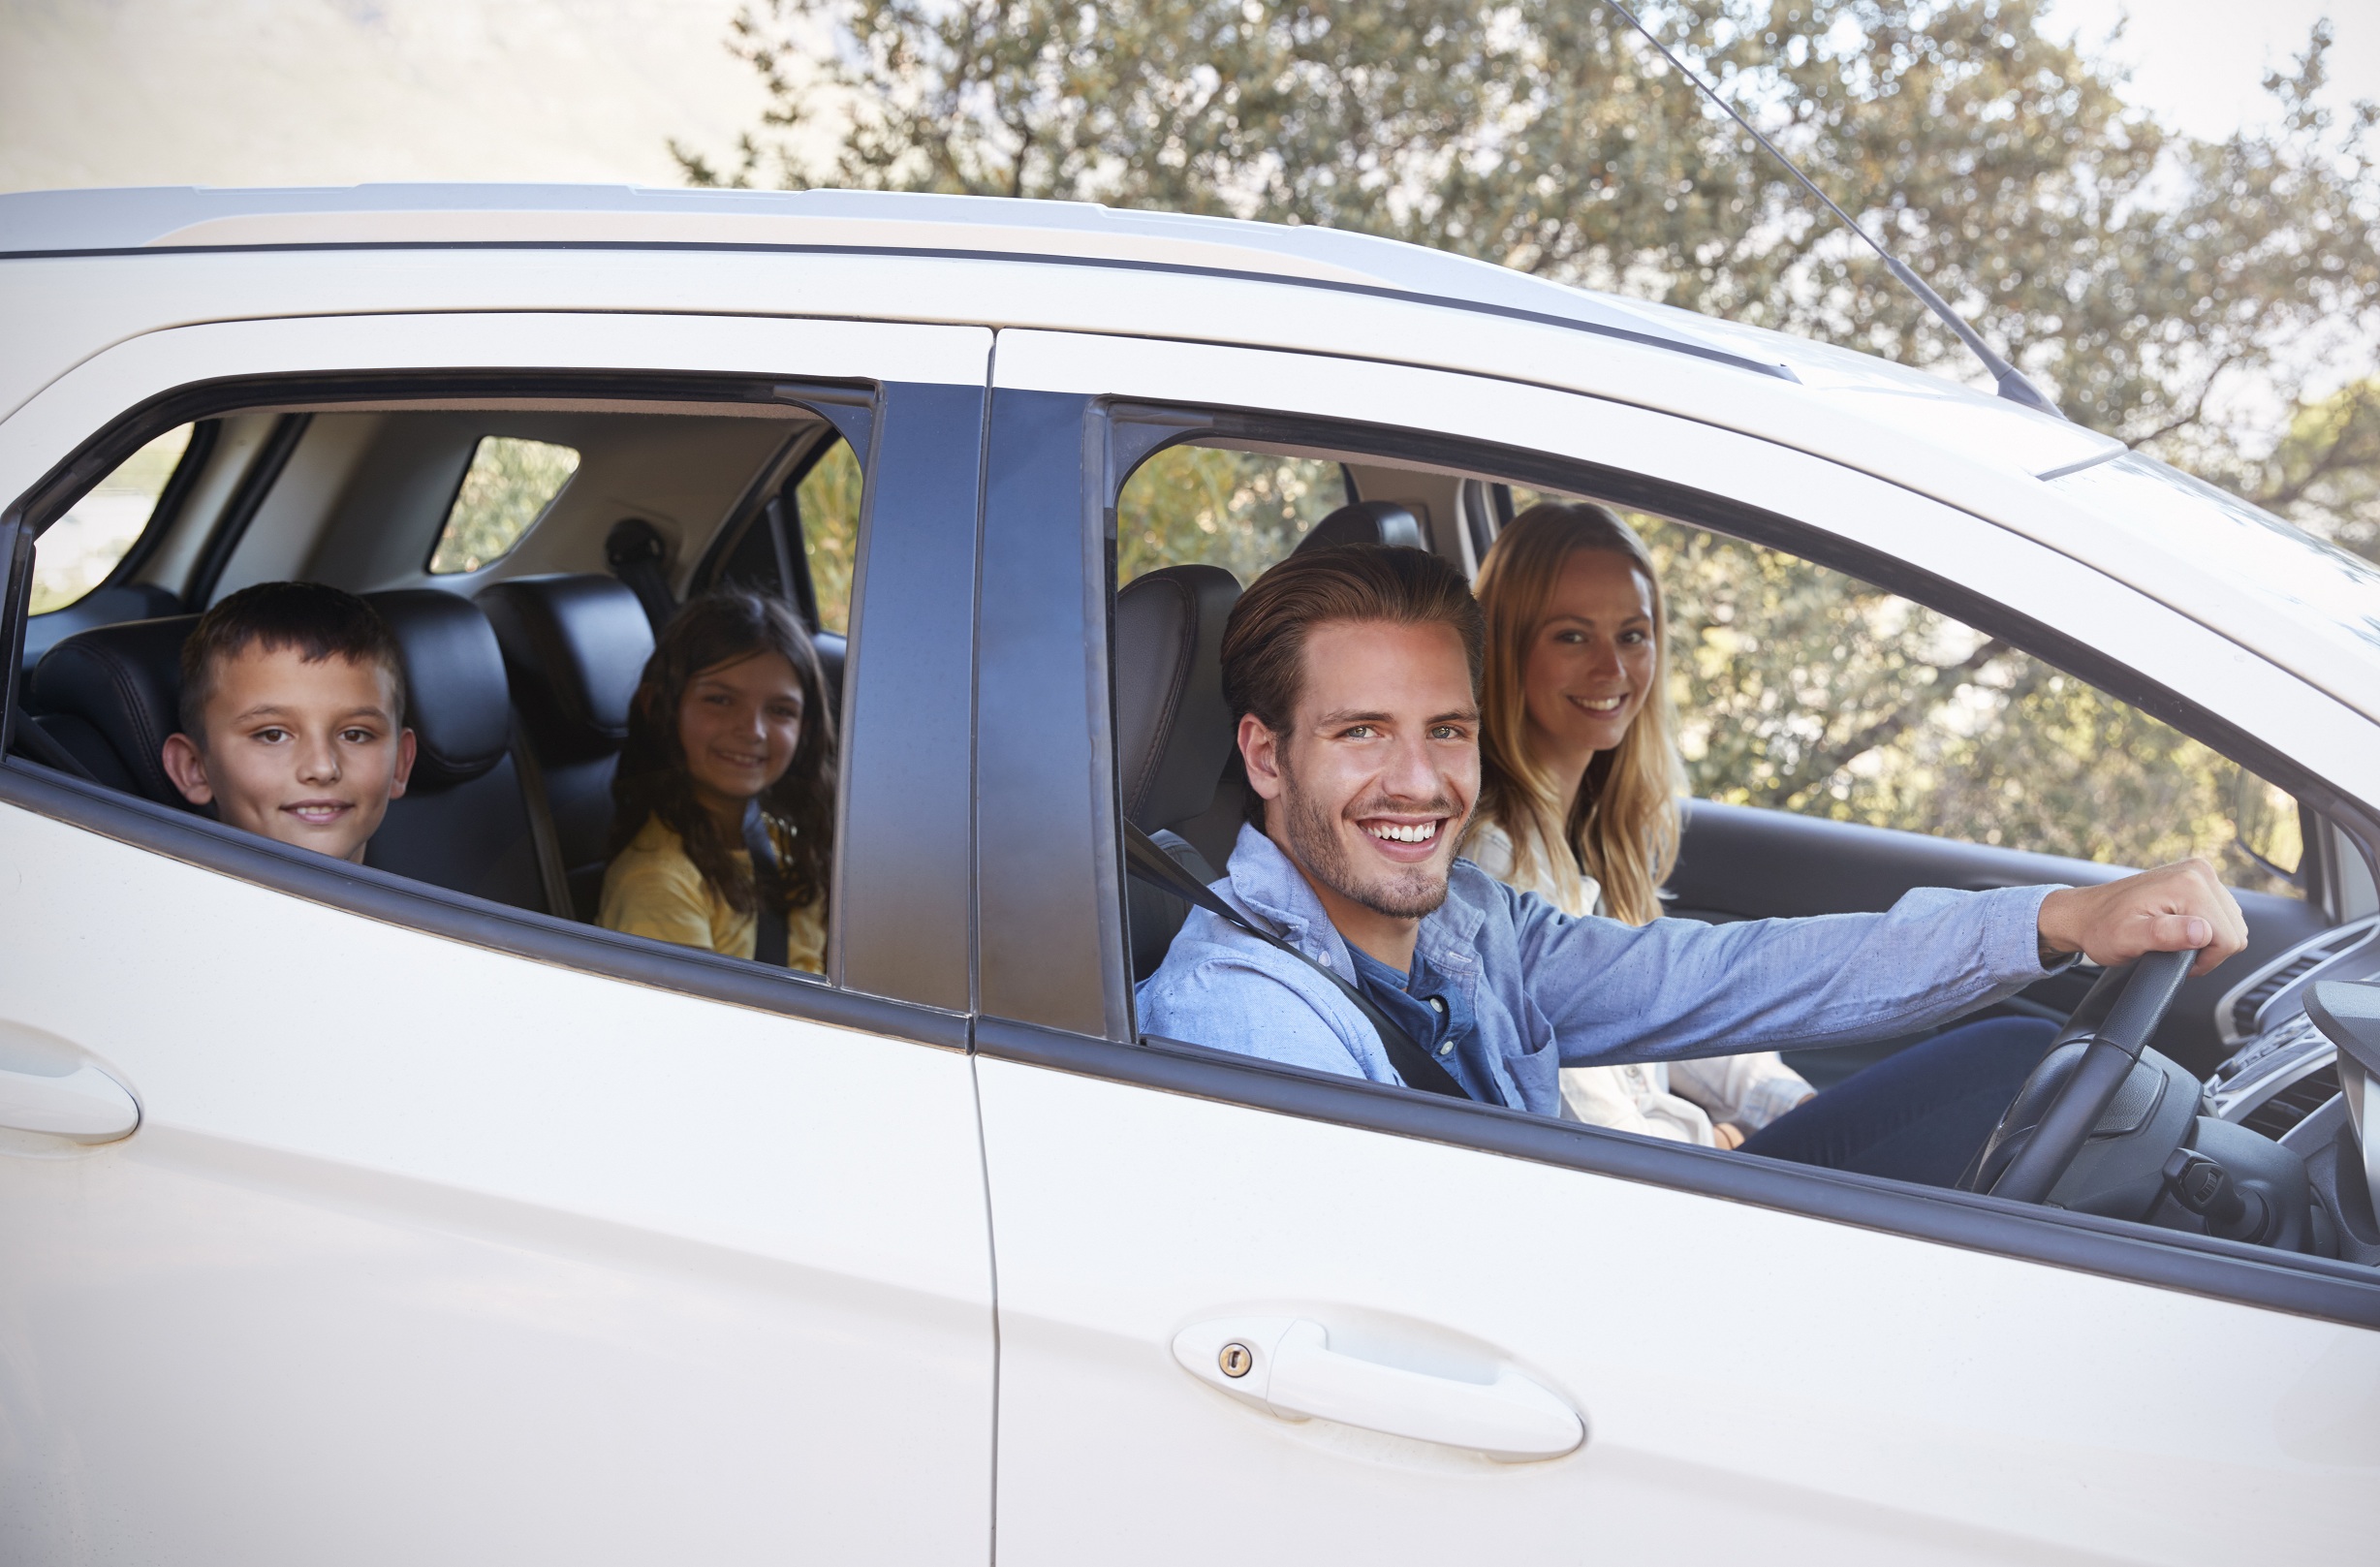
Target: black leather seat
(109, 697)
(575, 648)
(1174, 736)
(464, 822)
(1367, 523)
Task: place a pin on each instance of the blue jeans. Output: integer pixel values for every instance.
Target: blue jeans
(1917, 1116)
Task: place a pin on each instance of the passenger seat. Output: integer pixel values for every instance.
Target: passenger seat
(575, 648)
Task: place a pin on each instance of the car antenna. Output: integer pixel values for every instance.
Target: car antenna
(2012, 383)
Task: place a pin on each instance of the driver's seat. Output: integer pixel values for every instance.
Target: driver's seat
(1172, 729)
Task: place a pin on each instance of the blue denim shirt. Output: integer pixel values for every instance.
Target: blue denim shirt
(1547, 990)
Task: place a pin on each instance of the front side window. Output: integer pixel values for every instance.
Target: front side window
(508, 487)
(81, 548)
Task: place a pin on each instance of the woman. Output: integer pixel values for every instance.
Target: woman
(1579, 780)
(1578, 791)
(730, 759)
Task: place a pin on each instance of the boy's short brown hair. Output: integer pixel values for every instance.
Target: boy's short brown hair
(1264, 641)
(318, 620)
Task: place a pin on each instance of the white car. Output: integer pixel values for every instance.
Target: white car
(396, 1213)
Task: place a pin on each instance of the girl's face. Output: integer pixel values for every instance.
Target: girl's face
(1590, 665)
(738, 725)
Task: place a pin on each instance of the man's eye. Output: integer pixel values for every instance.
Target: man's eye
(1446, 732)
(1358, 731)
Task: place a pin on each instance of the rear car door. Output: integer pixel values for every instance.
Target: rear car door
(1764, 1359)
(453, 1232)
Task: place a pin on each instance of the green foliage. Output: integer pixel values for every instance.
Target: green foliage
(1240, 511)
(829, 501)
(507, 488)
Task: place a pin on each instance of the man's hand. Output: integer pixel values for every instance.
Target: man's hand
(2170, 909)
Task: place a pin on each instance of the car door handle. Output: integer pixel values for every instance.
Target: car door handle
(82, 1105)
(1286, 1365)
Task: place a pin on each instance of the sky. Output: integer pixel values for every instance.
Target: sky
(263, 92)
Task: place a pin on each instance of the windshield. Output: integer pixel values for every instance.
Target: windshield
(2288, 568)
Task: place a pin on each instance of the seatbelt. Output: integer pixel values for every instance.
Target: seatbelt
(1419, 1068)
(637, 556)
(768, 942)
(551, 873)
(45, 748)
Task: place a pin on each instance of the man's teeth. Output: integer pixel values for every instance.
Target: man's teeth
(1418, 832)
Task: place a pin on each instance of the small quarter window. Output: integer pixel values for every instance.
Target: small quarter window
(81, 548)
(508, 487)
(828, 499)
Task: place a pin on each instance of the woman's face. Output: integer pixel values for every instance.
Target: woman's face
(1590, 665)
(738, 725)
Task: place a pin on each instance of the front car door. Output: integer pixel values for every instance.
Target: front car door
(1768, 1361)
(454, 1232)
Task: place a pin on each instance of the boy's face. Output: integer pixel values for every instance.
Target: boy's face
(302, 753)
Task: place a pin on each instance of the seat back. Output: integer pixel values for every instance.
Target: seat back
(1366, 522)
(110, 696)
(1173, 732)
(463, 821)
(575, 646)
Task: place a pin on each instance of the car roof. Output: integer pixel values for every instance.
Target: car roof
(1896, 405)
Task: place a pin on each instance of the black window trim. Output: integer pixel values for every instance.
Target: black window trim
(2305, 1286)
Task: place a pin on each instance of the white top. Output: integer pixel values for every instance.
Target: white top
(1677, 1099)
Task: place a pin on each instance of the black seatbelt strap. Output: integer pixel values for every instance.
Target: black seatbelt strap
(768, 942)
(639, 556)
(553, 874)
(1419, 1068)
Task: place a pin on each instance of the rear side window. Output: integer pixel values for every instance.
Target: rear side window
(1210, 506)
(81, 548)
(828, 499)
(508, 487)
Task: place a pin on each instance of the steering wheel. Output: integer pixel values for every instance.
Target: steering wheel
(2052, 1116)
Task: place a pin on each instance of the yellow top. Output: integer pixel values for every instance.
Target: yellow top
(653, 889)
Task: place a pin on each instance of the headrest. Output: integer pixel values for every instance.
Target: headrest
(575, 646)
(456, 698)
(1173, 733)
(124, 680)
(1366, 522)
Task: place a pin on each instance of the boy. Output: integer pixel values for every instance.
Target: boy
(292, 717)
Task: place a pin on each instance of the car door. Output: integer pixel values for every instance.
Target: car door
(1762, 1361)
(454, 1232)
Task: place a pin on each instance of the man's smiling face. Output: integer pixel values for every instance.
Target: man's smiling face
(304, 751)
(1368, 790)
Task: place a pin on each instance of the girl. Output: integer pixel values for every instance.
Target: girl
(722, 832)
(1579, 780)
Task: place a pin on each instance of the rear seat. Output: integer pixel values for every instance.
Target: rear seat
(575, 646)
(109, 695)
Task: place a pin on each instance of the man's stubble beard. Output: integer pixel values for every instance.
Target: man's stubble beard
(1314, 838)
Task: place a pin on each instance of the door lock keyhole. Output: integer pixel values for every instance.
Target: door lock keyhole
(1236, 1359)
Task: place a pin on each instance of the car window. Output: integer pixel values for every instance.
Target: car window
(508, 487)
(827, 504)
(1213, 505)
(551, 647)
(80, 548)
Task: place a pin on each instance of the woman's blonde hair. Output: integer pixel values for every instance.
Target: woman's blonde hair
(1623, 828)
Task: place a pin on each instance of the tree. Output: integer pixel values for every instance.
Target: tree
(2145, 277)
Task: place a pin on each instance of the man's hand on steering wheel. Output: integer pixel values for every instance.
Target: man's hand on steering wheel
(2173, 908)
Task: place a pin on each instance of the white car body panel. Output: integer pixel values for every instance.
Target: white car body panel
(421, 1250)
(1738, 1397)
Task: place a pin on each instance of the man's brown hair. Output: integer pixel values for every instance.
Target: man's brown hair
(1264, 641)
(318, 621)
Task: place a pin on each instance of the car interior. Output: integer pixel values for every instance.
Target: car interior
(525, 551)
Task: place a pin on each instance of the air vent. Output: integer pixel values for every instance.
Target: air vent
(2251, 1000)
(2295, 1103)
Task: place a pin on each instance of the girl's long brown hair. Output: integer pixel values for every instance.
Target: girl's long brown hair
(727, 626)
(1623, 828)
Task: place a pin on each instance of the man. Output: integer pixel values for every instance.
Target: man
(1353, 674)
